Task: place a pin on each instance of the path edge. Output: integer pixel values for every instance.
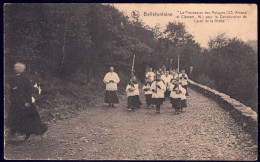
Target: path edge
(243, 115)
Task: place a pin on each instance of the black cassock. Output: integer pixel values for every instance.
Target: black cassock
(23, 119)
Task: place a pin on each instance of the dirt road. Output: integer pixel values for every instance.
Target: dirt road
(203, 131)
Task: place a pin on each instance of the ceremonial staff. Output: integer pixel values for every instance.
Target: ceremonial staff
(156, 80)
(156, 75)
(133, 65)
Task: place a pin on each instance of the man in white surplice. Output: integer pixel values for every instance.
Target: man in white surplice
(111, 80)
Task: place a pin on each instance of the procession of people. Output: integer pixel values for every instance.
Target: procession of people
(159, 85)
(24, 118)
(166, 84)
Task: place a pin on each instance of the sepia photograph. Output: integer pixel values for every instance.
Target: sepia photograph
(130, 81)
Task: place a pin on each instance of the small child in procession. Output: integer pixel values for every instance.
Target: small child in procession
(132, 91)
(134, 78)
(176, 94)
(183, 97)
(167, 81)
(148, 92)
(184, 80)
(158, 89)
(174, 74)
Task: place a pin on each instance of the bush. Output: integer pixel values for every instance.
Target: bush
(205, 80)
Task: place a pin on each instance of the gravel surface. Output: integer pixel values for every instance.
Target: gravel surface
(203, 131)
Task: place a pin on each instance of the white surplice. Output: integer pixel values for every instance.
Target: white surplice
(111, 76)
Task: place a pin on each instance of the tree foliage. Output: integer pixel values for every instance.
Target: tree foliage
(233, 68)
(64, 40)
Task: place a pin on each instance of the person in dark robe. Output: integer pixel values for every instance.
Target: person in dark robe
(23, 117)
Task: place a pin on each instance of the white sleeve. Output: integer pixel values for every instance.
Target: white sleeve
(117, 80)
(135, 86)
(153, 86)
(153, 74)
(183, 90)
(163, 86)
(105, 80)
(127, 87)
(170, 87)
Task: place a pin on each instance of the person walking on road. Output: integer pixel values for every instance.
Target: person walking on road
(132, 91)
(167, 81)
(184, 81)
(150, 75)
(111, 80)
(158, 89)
(148, 93)
(176, 94)
(23, 117)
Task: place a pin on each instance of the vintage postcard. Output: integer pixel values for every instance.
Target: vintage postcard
(128, 81)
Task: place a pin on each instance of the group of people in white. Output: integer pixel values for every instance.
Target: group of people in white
(158, 86)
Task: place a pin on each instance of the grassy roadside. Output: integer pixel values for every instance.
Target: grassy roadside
(63, 99)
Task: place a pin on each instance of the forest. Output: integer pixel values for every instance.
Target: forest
(70, 47)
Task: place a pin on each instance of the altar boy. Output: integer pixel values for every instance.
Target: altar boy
(184, 80)
(176, 94)
(158, 89)
(183, 98)
(148, 92)
(132, 91)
